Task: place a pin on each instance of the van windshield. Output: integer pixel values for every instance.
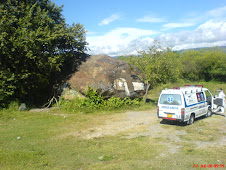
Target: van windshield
(170, 99)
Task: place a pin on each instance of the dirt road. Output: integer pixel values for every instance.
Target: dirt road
(145, 123)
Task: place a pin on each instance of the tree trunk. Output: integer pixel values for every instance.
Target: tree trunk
(146, 93)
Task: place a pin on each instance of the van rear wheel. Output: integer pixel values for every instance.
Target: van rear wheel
(209, 112)
(191, 119)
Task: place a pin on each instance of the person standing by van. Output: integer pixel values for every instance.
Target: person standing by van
(222, 95)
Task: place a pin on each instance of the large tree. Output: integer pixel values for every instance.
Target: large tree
(36, 44)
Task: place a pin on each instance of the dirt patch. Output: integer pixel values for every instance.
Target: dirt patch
(46, 109)
(131, 125)
(129, 121)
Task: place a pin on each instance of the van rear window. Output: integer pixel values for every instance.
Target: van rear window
(170, 99)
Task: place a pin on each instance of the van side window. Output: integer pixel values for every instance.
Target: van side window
(208, 94)
(208, 97)
(200, 97)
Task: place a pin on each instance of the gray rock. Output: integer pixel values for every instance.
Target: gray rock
(22, 107)
(109, 76)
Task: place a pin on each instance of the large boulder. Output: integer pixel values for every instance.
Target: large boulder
(107, 75)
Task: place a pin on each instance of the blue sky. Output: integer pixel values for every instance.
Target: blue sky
(118, 27)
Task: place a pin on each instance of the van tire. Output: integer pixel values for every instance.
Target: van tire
(209, 112)
(191, 119)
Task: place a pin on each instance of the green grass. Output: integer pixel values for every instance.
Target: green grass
(41, 145)
(47, 140)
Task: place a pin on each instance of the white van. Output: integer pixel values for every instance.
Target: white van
(184, 104)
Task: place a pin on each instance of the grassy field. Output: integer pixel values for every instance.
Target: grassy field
(53, 139)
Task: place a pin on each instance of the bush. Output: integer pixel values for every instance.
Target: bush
(94, 101)
(10, 112)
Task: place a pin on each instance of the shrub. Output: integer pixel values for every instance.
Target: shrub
(94, 101)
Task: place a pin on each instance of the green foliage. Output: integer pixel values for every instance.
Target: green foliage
(7, 86)
(191, 69)
(9, 111)
(207, 65)
(214, 67)
(160, 66)
(93, 101)
(36, 46)
(157, 65)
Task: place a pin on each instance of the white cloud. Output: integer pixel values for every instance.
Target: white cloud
(150, 19)
(177, 25)
(211, 33)
(130, 40)
(219, 12)
(196, 17)
(110, 19)
(199, 45)
(120, 41)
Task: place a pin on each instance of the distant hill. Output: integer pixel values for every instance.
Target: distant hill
(204, 49)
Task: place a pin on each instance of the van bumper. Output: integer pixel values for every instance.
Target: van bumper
(168, 118)
(173, 119)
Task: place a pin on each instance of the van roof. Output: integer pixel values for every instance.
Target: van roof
(185, 90)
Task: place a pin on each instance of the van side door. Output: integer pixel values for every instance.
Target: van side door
(202, 105)
(208, 99)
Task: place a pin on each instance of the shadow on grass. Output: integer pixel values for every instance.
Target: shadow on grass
(177, 123)
(151, 101)
(219, 114)
(172, 123)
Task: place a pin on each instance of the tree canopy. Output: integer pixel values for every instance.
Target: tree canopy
(157, 65)
(203, 65)
(36, 46)
(160, 66)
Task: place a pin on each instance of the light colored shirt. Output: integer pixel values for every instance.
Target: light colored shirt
(222, 95)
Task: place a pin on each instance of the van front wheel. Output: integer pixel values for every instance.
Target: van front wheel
(191, 119)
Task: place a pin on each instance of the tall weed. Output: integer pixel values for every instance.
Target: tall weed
(10, 111)
(94, 101)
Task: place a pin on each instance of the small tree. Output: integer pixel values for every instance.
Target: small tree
(157, 65)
